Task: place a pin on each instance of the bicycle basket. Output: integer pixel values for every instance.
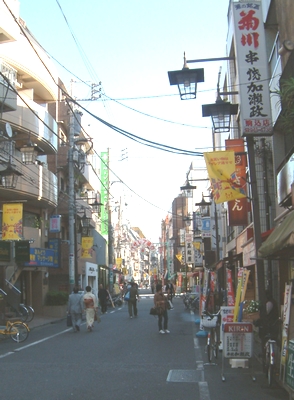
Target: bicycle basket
(209, 322)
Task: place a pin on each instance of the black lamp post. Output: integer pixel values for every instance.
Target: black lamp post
(9, 177)
(29, 153)
(203, 203)
(96, 206)
(220, 112)
(186, 79)
(188, 187)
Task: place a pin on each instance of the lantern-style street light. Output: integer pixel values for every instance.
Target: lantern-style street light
(96, 206)
(186, 79)
(220, 112)
(9, 177)
(29, 153)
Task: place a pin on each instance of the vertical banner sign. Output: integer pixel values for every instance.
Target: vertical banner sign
(182, 245)
(170, 265)
(118, 263)
(230, 289)
(238, 214)
(198, 259)
(252, 66)
(222, 174)
(203, 296)
(12, 221)
(206, 227)
(238, 294)
(182, 237)
(286, 320)
(189, 248)
(55, 224)
(87, 245)
(104, 193)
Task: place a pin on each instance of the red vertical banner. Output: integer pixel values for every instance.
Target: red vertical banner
(238, 208)
(230, 289)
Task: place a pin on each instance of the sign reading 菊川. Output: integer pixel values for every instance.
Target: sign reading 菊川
(252, 66)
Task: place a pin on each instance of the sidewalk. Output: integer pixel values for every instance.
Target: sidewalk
(41, 321)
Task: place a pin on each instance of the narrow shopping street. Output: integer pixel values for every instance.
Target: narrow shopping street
(124, 358)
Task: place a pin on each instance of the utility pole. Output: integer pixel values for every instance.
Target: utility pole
(256, 225)
(74, 130)
(71, 206)
(110, 234)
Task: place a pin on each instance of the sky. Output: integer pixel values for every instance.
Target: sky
(129, 46)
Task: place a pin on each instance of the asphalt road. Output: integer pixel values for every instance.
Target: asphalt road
(124, 359)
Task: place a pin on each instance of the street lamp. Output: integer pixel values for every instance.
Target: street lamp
(186, 79)
(203, 204)
(188, 188)
(29, 153)
(96, 206)
(220, 112)
(9, 175)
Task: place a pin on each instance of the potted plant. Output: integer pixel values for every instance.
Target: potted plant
(55, 304)
(251, 310)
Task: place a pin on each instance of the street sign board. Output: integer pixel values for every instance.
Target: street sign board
(238, 340)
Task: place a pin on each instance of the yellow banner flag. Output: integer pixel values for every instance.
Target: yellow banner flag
(179, 257)
(197, 245)
(12, 221)
(225, 183)
(87, 246)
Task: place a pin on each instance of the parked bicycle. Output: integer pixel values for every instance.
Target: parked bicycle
(20, 312)
(18, 331)
(191, 301)
(211, 323)
(269, 350)
(31, 313)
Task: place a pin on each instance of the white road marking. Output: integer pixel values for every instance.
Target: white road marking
(7, 354)
(35, 343)
(204, 391)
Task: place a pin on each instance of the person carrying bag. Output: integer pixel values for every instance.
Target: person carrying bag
(161, 301)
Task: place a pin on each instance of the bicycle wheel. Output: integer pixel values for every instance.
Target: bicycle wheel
(23, 312)
(31, 313)
(215, 346)
(270, 375)
(18, 332)
(196, 303)
(209, 347)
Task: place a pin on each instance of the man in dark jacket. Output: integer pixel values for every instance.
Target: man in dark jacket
(132, 303)
(169, 288)
(103, 297)
(75, 309)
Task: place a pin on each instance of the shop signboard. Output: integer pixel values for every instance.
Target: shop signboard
(238, 340)
(290, 365)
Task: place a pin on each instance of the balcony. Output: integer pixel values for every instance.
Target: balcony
(9, 30)
(8, 98)
(37, 185)
(40, 125)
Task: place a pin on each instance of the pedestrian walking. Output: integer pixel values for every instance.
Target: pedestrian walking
(75, 309)
(90, 306)
(132, 303)
(169, 288)
(160, 301)
(103, 297)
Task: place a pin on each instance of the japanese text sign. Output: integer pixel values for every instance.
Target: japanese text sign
(252, 68)
(225, 183)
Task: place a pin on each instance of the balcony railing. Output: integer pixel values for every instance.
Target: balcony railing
(8, 98)
(40, 124)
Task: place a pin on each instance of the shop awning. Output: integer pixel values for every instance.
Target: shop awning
(282, 238)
